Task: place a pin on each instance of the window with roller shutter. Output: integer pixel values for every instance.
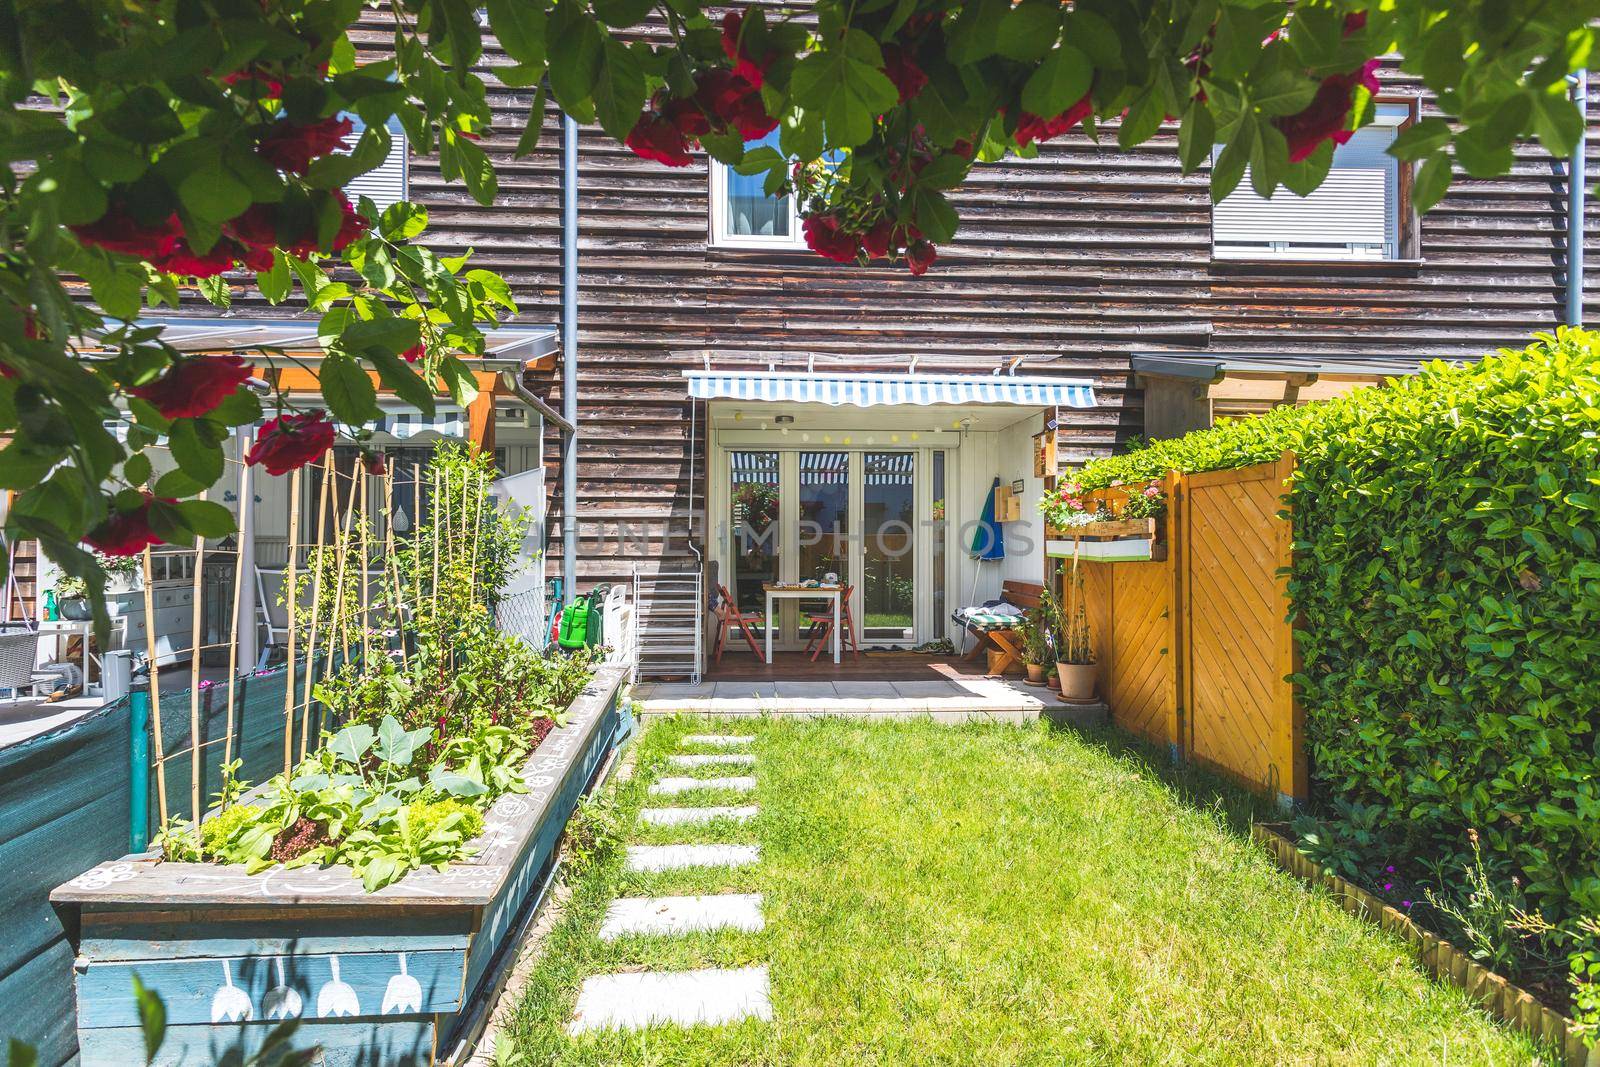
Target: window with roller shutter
(385, 184)
(1358, 213)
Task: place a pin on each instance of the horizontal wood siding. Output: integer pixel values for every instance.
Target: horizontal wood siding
(1072, 260)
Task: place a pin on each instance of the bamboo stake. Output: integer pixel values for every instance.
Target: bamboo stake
(291, 596)
(416, 530)
(245, 500)
(438, 498)
(362, 484)
(316, 600)
(197, 596)
(391, 562)
(341, 554)
(155, 690)
(476, 534)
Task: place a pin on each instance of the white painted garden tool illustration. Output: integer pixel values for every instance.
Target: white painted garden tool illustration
(336, 997)
(281, 1002)
(404, 993)
(229, 1004)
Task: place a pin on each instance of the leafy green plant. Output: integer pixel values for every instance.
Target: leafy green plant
(595, 831)
(1033, 632)
(1446, 593)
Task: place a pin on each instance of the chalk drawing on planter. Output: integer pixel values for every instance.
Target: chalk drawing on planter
(336, 998)
(229, 1004)
(403, 993)
(281, 1002)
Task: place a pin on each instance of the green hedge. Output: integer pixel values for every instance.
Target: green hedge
(1447, 590)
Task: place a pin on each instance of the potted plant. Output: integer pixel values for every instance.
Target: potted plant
(1074, 652)
(72, 598)
(1034, 635)
(1052, 679)
(1114, 525)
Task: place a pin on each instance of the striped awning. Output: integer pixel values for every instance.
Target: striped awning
(881, 390)
(824, 468)
(402, 424)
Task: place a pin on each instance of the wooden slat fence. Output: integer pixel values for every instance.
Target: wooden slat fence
(1195, 649)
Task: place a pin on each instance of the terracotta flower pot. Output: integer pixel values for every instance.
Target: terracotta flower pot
(1052, 681)
(1035, 673)
(1077, 681)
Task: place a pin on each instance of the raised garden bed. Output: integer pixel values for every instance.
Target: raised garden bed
(1499, 997)
(391, 977)
(1109, 541)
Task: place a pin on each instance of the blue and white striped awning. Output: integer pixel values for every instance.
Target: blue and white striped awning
(881, 390)
(404, 423)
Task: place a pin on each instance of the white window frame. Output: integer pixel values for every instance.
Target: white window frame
(399, 146)
(1389, 113)
(721, 238)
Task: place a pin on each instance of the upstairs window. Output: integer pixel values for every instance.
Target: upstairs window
(387, 183)
(744, 216)
(1358, 213)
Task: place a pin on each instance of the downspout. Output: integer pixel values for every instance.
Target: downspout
(569, 356)
(1577, 178)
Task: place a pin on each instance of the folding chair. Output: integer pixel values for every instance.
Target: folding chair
(822, 629)
(729, 617)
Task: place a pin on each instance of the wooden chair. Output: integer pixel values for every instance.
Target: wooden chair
(730, 617)
(822, 629)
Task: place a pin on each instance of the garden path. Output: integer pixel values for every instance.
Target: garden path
(705, 996)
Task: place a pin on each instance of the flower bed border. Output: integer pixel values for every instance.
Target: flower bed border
(1501, 998)
(179, 924)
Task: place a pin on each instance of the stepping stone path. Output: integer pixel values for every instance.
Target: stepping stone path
(668, 787)
(732, 759)
(695, 816)
(710, 996)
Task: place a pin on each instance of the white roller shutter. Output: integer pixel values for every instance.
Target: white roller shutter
(386, 184)
(1354, 214)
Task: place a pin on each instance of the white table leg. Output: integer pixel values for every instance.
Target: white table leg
(768, 628)
(88, 628)
(837, 596)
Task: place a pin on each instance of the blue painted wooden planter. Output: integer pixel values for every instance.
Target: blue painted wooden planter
(394, 977)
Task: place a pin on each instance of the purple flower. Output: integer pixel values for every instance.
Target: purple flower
(1405, 904)
(1389, 869)
(1388, 886)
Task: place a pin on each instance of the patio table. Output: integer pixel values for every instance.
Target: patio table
(804, 592)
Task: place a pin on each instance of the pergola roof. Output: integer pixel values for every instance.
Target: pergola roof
(1211, 366)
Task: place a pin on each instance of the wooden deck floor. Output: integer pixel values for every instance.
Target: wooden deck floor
(739, 666)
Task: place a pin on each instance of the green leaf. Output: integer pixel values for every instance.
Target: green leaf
(477, 172)
(205, 518)
(1058, 83)
(519, 27)
(350, 394)
(402, 221)
(455, 783)
(392, 335)
(846, 84)
(935, 216)
(213, 194)
(622, 13)
(276, 282)
(1029, 30)
(1231, 163)
(619, 92)
(1285, 92)
(1142, 120)
(529, 141)
(21, 1054)
(459, 380)
(1556, 121)
(351, 743)
(175, 484)
(1433, 180)
(399, 376)
(196, 457)
(1420, 139)
(136, 469)
(152, 1018)
(1196, 137)
(574, 60)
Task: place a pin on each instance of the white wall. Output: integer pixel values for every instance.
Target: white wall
(1024, 560)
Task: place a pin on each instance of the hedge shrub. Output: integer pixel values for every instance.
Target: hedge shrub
(1447, 591)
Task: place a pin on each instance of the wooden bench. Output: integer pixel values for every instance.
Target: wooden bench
(999, 633)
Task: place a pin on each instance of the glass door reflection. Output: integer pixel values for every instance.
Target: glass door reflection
(824, 542)
(888, 546)
(755, 544)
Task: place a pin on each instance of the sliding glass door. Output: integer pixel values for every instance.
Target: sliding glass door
(755, 535)
(888, 547)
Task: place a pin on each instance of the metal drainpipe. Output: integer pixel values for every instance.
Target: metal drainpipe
(1577, 178)
(569, 356)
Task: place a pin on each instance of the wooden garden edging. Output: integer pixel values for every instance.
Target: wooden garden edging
(1505, 1001)
(388, 977)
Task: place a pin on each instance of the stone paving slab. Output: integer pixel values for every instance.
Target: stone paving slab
(720, 740)
(692, 816)
(708, 759)
(686, 998)
(682, 915)
(671, 786)
(677, 857)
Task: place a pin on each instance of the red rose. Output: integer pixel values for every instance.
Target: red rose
(1031, 127)
(289, 442)
(1327, 117)
(903, 71)
(257, 85)
(185, 260)
(117, 231)
(655, 137)
(879, 242)
(734, 102)
(291, 146)
(124, 533)
(920, 256)
(414, 353)
(193, 387)
(745, 65)
(1355, 22)
(825, 237)
(372, 462)
(352, 224)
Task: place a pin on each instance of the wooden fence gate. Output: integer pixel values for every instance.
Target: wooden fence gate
(1195, 649)
(1238, 646)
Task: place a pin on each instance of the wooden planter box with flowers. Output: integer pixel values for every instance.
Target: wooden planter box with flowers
(1107, 526)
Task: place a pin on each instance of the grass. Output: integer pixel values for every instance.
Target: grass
(1000, 895)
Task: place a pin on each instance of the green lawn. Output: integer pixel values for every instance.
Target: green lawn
(998, 895)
